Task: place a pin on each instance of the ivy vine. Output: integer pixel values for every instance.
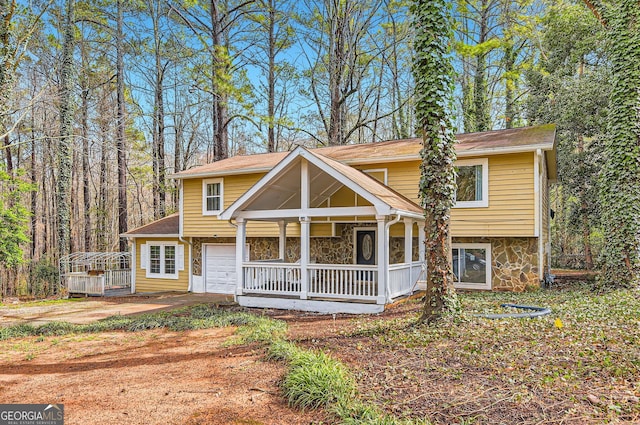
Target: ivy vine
(433, 74)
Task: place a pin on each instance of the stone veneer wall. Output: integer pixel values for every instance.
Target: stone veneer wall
(514, 262)
(325, 250)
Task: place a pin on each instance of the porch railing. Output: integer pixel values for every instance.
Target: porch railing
(345, 281)
(403, 277)
(348, 281)
(272, 278)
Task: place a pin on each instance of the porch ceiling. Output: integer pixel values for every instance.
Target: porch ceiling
(284, 191)
(301, 184)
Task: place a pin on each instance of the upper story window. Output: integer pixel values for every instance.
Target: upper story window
(473, 183)
(212, 196)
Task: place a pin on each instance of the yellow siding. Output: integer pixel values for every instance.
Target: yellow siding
(511, 196)
(321, 230)
(510, 212)
(144, 284)
(198, 225)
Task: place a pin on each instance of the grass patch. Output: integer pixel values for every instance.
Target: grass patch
(41, 303)
(252, 328)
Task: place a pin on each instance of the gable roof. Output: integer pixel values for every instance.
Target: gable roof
(384, 199)
(168, 226)
(525, 139)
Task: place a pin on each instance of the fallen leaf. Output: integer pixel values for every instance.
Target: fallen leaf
(593, 399)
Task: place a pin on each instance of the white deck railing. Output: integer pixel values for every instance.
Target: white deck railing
(403, 277)
(121, 278)
(85, 284)
(348, 281)
(82, 283)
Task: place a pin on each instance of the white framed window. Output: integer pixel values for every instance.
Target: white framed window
(212, 196)
(473, 183)
(162, 259)
(379, 174)
(471, 265)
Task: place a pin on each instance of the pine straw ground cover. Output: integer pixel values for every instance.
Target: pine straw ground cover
(583, 368)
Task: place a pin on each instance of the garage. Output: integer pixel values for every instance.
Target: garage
(220, 269)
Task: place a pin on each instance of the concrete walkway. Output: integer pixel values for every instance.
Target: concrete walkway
(87, 310)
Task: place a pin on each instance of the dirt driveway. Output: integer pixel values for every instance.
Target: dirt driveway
(149, 377)
(88, 310)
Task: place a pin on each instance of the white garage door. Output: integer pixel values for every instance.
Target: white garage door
(220, 269)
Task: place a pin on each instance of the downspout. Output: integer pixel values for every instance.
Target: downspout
(539, 230)
(387, 227)
(180, 233)
(186, 242)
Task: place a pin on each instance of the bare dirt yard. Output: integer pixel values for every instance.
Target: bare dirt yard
(148, 377)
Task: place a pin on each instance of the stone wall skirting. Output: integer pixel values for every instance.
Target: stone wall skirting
(514, 262)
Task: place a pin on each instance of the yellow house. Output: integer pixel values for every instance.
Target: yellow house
(340, 229)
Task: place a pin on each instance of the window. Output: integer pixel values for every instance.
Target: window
(162, 259)
(472, 266)
(212, 196)
(473, 183)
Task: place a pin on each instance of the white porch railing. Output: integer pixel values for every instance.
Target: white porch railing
(402, 277)
(344, 281)
(271, 278)
(349, 281)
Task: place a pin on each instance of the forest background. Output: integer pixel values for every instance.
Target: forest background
(102, 100)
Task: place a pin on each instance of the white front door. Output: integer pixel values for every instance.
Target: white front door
(220, 269)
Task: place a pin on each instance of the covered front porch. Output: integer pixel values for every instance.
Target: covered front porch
(369, 252)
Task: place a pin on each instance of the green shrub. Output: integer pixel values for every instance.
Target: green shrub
(317, 380)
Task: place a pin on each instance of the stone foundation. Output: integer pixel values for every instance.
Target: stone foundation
(514, 262)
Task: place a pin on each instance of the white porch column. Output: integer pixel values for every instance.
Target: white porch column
(408, 240)
(408, 247)
(241, 238)
(282, 242)
(305, 226)
(383, 259)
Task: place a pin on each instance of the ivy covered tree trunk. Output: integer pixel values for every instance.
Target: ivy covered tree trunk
(66, 132)
(120, 131)
(620, 194)
(433, 75)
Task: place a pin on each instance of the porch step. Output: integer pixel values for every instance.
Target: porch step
(327, 307)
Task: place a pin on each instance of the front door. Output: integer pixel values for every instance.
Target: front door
(365, 246)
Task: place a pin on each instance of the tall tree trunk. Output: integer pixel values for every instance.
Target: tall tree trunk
(220, 97)
(84, 128)
(620, 194)
(434, 90)
(7, 75)
(34, 194)
(336, 64)
(271, 79)
(120, 131)
(509, 96)
(159, 166)
(480, 96)
(66, 132)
